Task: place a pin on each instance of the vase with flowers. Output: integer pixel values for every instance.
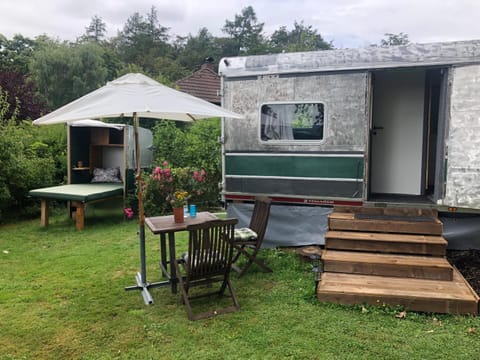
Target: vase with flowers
(178, 200)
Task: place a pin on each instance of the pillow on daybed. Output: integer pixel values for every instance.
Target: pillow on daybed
(108, 175)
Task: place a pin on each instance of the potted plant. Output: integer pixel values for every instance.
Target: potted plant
(178, 199)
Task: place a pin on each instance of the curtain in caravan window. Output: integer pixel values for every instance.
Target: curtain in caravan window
(292, 121)
(277, 122)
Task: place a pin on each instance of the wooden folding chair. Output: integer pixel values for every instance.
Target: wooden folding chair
(248, 241)
(209, 260)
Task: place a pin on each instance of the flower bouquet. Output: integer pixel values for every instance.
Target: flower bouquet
(178, 199)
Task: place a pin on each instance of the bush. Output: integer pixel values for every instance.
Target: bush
(26, 164)
(192, 145)
(164, 181)
(30, 157)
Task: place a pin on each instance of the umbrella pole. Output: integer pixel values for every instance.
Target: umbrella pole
(141, 277)
(141, 215)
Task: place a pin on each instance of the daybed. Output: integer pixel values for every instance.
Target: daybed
(78, 195)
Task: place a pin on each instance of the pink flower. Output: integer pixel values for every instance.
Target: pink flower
(128, 212)
(165, 163)
(195, 174)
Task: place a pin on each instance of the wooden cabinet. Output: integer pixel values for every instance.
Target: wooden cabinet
(103, 147)
(101, 138)
(105, 136)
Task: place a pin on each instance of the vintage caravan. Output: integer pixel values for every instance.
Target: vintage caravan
(395, 126)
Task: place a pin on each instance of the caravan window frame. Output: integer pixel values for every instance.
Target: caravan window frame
(261, 116)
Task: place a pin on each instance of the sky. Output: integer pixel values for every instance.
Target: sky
(347, 23)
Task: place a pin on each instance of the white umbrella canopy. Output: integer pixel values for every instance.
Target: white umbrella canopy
(135, 94)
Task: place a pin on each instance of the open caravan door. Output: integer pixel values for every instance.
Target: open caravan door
(462, 188)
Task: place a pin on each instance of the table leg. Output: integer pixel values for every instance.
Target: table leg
(163, 255)
(79, 214)
(44, 212)
(173, 272)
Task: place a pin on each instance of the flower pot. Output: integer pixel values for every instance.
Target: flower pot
(178, 215)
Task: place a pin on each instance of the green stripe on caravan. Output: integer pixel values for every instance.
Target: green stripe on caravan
(338, 167)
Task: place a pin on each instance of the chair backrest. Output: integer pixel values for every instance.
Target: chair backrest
(259, 220)
(210, 248)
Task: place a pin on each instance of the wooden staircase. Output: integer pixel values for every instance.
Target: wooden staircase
(393, 256)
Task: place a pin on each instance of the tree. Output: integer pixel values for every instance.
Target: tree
(95, 33)
(193, 50)
(15, 54)
(142, 37)
(96, 30)
(144, 42)
(395, 40)
(20, 93)
(247, 33)
(111, 60)
(65, 72)
(300, 38)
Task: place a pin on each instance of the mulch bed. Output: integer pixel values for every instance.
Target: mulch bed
(468, 263)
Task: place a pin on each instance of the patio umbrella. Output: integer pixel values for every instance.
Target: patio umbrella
(136, 96)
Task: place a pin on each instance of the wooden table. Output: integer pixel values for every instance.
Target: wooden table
(163, 226)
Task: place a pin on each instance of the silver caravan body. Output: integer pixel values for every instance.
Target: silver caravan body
(377, 126)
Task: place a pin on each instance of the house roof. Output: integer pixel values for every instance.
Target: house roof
(203, 83)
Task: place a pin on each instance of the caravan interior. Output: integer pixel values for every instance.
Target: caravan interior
(406, 135)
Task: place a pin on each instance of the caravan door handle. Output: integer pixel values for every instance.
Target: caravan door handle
(375, 128)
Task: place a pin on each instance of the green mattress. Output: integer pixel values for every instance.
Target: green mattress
(79, 192)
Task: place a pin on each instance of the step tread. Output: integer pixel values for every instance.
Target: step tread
(351, 216)
(348, 222)
(389, 211)
(387, 259)
(354, 284)
(387, 237)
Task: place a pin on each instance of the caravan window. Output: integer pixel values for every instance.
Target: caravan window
(292, 122)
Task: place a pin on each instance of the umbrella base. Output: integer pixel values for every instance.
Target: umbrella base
(144, 288)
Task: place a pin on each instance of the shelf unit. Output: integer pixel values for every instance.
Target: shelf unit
(101, 138)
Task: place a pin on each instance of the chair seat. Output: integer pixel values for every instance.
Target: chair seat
(248, 241)
(245, 234)
(219, 258)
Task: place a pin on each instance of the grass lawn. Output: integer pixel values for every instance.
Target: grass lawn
(62, 297)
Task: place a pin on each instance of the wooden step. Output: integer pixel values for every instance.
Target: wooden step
(407, 266)
(384, 223)
(455, 296)
(389, 211)
(386, 243)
